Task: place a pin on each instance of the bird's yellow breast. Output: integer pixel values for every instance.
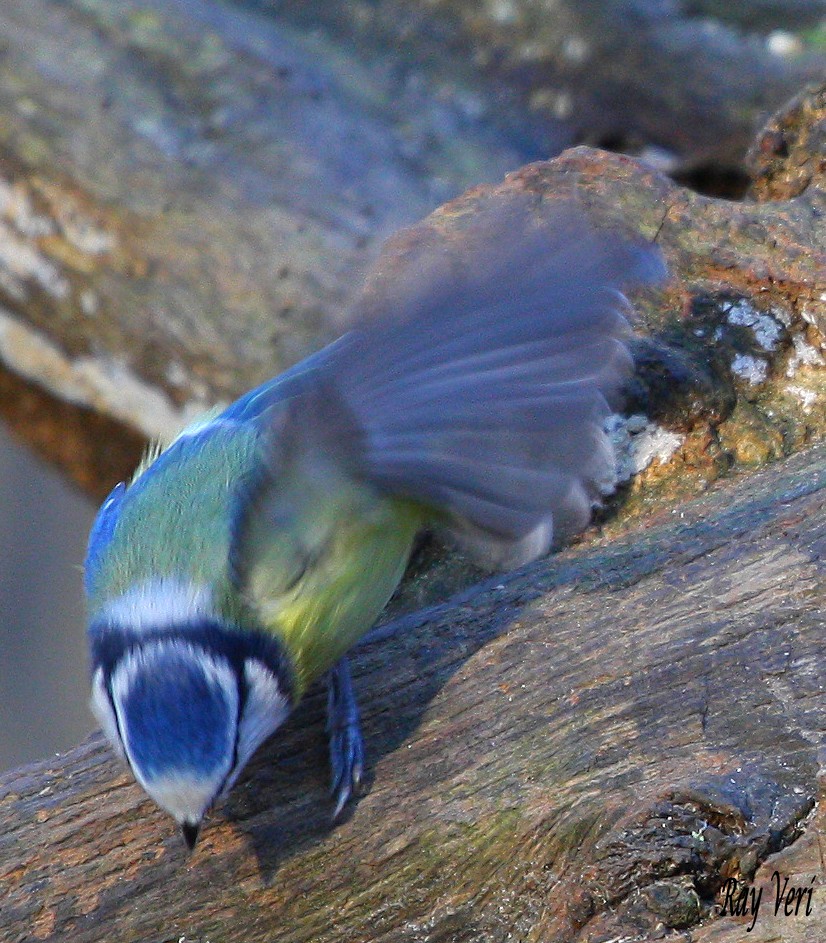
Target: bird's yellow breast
(341, 592)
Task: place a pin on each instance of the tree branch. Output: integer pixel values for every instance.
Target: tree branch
(590, 745)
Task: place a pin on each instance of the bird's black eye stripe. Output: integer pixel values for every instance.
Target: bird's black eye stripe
(111, 698)
(243, 693)
(110, 644)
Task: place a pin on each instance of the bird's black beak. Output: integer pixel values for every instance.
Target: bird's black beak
(190, 832)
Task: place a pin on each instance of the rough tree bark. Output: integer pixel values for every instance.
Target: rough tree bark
(582, 751)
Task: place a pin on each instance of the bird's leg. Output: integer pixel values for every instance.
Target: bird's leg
(346, 744)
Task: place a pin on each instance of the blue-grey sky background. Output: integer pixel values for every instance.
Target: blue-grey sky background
(44, 523)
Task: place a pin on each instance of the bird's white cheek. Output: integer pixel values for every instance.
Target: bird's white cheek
(102, 709)
(265, 710)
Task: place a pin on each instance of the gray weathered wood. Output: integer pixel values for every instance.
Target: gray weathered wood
(577, 751)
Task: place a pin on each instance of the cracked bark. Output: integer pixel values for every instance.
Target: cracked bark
(581, 751)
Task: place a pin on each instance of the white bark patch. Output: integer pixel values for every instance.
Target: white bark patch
(752, 369)
(803, 355)
(765, 328)
(807, 397)
(16, 207)
(638, 442)
(20, 262)
(100, 383)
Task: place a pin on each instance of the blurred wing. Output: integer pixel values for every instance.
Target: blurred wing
(479, 387)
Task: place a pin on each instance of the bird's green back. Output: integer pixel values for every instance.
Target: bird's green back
(174, 522)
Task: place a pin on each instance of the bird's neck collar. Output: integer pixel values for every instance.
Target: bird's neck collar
(169, 608)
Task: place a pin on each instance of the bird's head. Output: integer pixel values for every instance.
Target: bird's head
(187, 713)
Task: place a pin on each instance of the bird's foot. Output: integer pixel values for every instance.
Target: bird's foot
(344, 731)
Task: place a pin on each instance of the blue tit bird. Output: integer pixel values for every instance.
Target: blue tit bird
(242, 562)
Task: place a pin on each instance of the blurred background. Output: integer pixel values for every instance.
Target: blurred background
(44, 521)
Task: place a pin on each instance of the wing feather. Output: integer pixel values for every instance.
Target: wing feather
(477, 382)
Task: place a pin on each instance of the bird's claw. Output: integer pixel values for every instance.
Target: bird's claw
(346, 742)
(347, 765)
